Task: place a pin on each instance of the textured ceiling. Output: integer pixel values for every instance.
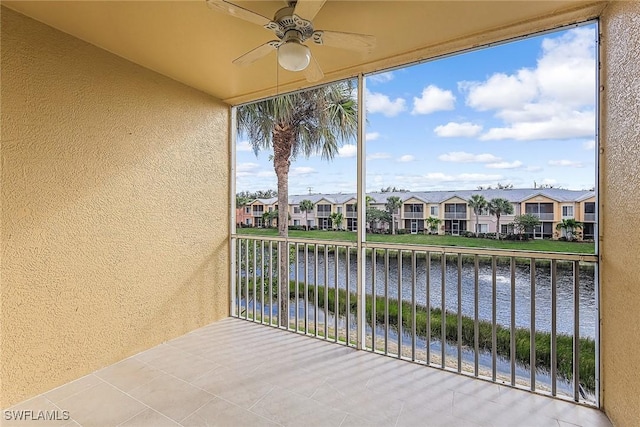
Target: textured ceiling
(193, 44)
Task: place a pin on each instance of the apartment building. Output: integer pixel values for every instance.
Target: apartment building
(450, 208)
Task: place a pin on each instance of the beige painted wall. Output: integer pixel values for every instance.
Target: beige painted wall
(114, 208)
(620, 198)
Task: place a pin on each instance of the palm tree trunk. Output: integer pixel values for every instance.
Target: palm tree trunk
(282, 143)
(498, 226)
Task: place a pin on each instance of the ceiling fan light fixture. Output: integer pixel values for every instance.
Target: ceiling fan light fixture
(293, 55)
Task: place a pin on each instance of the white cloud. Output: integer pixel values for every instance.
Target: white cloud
(453, 129)
(505, 165)
(378, 156)
(247, 169)
(566, 163)
(464, 157)
(554, 100)
(589, 145)
(302, 170)
(565, 125)
(372, 136)
(406, 158)
(381, 77)
(433, 99)
(533, 168)
(501, 91)
(243, 146)
(348, 150)
(380, 103)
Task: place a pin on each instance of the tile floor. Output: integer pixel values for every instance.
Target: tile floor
(234, 373)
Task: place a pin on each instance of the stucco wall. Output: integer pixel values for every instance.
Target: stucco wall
(619, 202)
(114, 208)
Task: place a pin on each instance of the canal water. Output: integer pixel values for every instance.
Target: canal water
(522, 289)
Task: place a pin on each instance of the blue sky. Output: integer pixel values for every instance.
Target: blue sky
(515, 113)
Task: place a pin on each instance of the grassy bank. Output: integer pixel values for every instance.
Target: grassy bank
(564, 343)
(422, 239)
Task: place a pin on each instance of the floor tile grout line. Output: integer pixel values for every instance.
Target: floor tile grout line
(249, 409)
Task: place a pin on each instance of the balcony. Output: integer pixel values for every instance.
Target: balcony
(351, 214)
(590, 217)
(543, 216)
(323, 214)
(413, 215)
(476, 288)
(257, 213)
(233, 372)
(455, 215)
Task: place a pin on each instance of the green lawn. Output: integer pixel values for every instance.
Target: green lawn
(421, 239)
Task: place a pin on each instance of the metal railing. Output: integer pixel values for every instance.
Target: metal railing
(351, 214)
(590, 217)
(543, 216)
(323, 214)
(455, 215)
(413, 215)
(519, 318)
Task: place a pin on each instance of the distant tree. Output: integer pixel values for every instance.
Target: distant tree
(336, 220)
(393, 190)
(569, 226)
(504, 186)
(306, 206)
(525, 223)
(377, 216)
(477, 202)
(432, 223)
(498, 207)
(393, 203)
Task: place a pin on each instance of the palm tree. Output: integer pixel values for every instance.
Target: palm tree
(316, 121)
(336, 220)
(498, 207)
(477, 202)
(393, 203)
(306, 206)
(433, 222)
(569, 225)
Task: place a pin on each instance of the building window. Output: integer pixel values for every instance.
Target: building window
(247, 210)
(247, 221)
(567, 211)
(482, 228)
(296, 209)
(434, 211)
(296, 222)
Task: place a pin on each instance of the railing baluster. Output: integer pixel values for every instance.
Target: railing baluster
(413, 305)
(399, 304)
(428, 306)
(386, 301)
(373, 300)
(255, 277)
(336, 299)
(297, 288)
(246, 280)
(270, 282)
(512, 335)
(326, 292)
(347, 285)
(494, 337)
(287, 279)
(576, 331)
(262, 282)
(239, 264)
(306, 288)
(554, 320)
(443, 310)
(279, 258)
(476, 313)
(532, 330)
(315, 293)
(459, 312)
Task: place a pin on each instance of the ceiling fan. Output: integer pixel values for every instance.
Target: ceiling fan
(293, 25)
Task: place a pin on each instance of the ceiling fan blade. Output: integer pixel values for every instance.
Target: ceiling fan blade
(344, 40)
(257, 53)
(313, 72)
(238, 12)
(308, 9)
